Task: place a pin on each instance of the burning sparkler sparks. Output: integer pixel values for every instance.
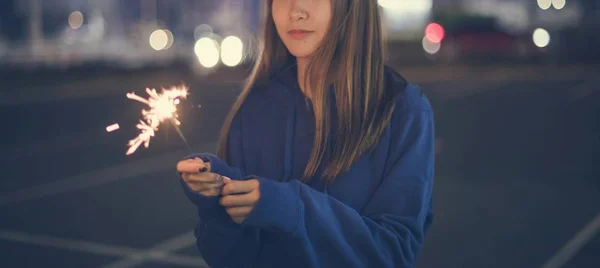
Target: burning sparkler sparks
(163, 107)
(112, 127)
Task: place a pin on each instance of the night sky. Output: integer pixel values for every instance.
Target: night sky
(13, 21)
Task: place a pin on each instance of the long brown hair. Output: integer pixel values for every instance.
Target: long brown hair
(351, 58)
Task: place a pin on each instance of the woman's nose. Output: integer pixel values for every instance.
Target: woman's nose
(299, 9)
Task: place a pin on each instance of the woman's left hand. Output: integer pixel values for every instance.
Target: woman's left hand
(240, 197)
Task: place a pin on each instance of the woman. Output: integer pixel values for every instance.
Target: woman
(326, 159)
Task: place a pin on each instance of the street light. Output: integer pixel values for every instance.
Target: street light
(159, 40)
(207, 51)
(541, 37)
(559, 4)
(544, 4)
(76, 20)
(232, 51)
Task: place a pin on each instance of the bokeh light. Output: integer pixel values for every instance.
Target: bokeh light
(541, 37)
(434, 33)
(170, 39)
(159, 40)
(559, 4)
(207, 51)
(96, 28)
(215, 37)
(76, 20)
(232, 51)
(544, 4)
(406, 5)
(203, 30)
(431, 48)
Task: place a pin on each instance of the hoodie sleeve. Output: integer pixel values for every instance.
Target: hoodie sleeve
(221, 241)
(388, 232)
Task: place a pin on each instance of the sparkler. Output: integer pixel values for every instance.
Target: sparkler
(163, 107)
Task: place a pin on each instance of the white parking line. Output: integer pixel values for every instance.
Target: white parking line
(101, 249)
(172, 245)
(570, 249)
(102, 176)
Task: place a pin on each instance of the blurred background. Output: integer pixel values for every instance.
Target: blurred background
(514, 85)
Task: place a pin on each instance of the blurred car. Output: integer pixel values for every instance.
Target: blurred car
(479, 39)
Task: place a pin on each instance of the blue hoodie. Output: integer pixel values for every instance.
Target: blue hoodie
(373, 215)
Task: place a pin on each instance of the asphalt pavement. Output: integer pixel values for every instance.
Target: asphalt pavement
(516, 172)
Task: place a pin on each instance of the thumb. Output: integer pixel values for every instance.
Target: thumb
(226, 180)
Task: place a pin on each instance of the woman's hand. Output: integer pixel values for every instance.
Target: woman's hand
(240, 197)
(196, 174)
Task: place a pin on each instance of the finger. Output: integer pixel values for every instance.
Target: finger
(215, 191)
(191, 166)
(206, 164)
(198, 187)
(204, 185)
(195, 160)
(206, 167)
(205, 178)
(239, 187)
(238, 200)
(239, 211)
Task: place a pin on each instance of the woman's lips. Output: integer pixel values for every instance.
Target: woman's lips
(299, 34)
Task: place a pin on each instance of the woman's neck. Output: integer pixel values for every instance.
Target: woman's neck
(301, 64)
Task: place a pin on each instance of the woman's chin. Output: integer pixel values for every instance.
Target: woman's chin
(301, 52)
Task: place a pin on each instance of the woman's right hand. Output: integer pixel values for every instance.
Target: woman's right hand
(196, 174)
